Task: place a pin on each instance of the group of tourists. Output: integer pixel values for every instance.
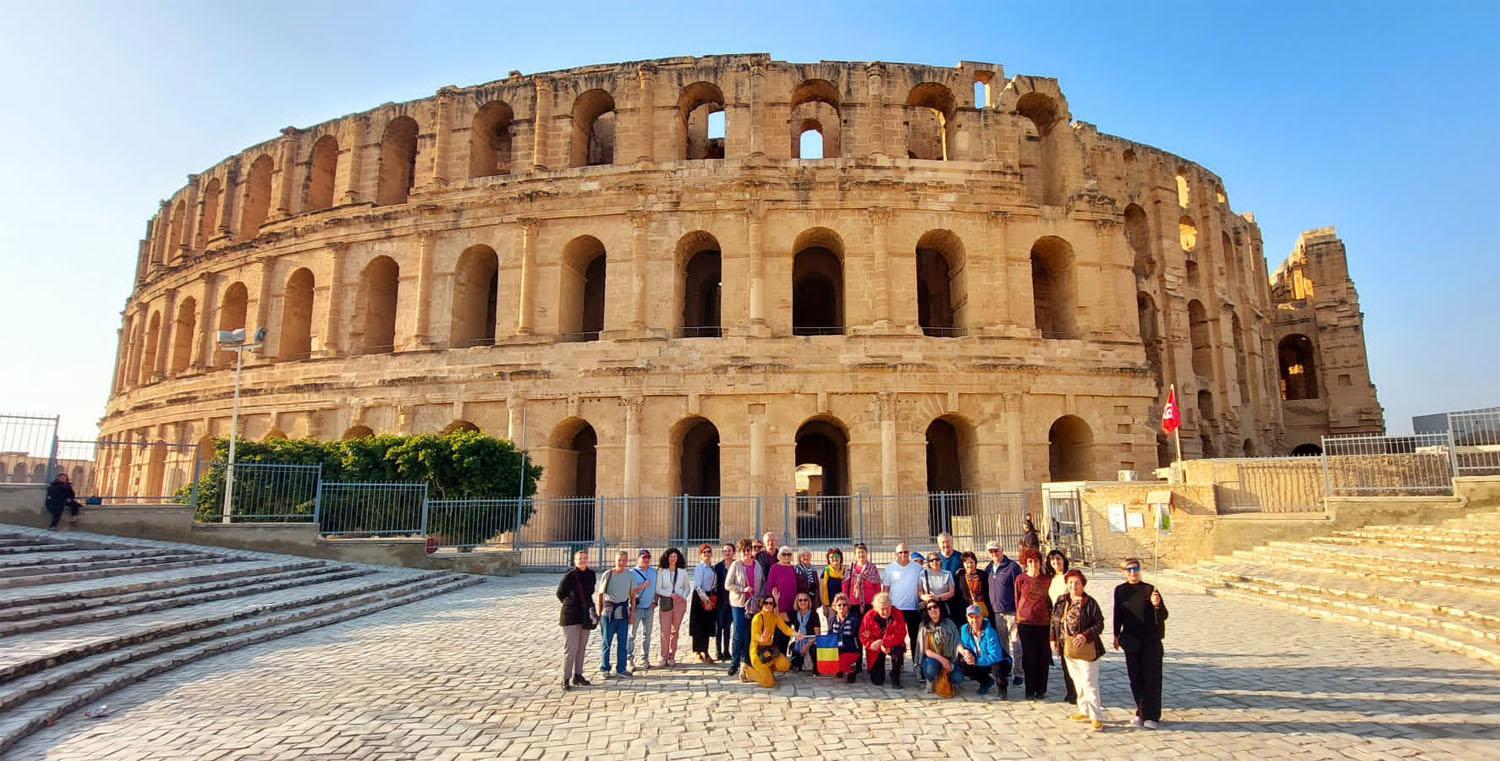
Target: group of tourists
(766, 609)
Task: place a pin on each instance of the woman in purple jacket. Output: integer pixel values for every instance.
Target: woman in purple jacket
(781, 583)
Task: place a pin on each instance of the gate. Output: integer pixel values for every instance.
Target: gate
(1065, 528)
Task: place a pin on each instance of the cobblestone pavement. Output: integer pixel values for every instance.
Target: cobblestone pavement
(472, 675)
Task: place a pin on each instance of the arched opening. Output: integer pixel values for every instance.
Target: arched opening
(80, 480)
(822, 456)
(232, 317)
(1053, 290)
(375, 306)
(1138, 235)
(949, 452)
(1247, 449)
(982, 82)
(818, 284)
(182, 334)
(1227, 247)
(929, 109)
(815, 106)
(697, 516)
(1206, 414)
(153, 343)
(581, 306)
(1041, 169)
(695, 108)
(476, 284)
(941, 284)
(1294, 356)
(459, 426)
(1184, 194)
(358, 432)
(702, 285)
(1199, 330)
(573, 479)
(1206, 443)
(1070, 446)
(296, 316)
(1187, 233)
(209, 219)
(1151, 338)
(1194, 280)
(490, 140)
(398, 161)
(39, 474)
(174, 238)
(593, 129)
(322, 171)
(1307, 450)
(1241, 360)
(20, 473)
(257, 197)
(810, 143)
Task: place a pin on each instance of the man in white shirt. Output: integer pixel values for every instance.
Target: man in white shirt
(643, 617)
(902, 581)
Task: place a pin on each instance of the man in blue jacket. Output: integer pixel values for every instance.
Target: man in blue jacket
(980, 656)
(1003, 572)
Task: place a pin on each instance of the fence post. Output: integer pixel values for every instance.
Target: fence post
(193, 490)
(599, 527)
(859, 515)
(757, 514)
(52, 454)
(1327, 477)
(515, 539)
(682, 513)
(318, 499)
(786, 511)
(423, 530)
(1452, 447)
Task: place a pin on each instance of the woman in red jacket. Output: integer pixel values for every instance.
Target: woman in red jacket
(1034, 618)
(883, 633)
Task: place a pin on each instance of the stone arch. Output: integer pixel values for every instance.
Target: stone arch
(174, 236)
(697, 102)
(815, 106)
(1194, 279)
(490, 140)
(929, 112)
(1149, 319)
(942, 291)
(375, 306)
(232, 308)
(1307, 450)
(1138, 235)
(156, 468)
(398, 161)
(39, 474)
(1206, 443)
(1206, 413)
(357, 432)
(296, 316)
(1247, 449)
(1070, 450)
(322, 174)
(700, 268)
(821, 455)
(951, 467)
(1187, 233)
(153, 344)
(457, 426)
(1200, 332)
(593, 141)
(818, 283)
(1294, 359)
(182, 334)
(209, 219)
(1054, 289)
(257, 197)
(20, 473)
(581, 306)
(572, 476)
(1184, 190)
(476, 294)
(1041, 146)
(695, 466)
(810, 140)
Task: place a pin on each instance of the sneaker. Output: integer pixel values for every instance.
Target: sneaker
(1149, 724)
(581, 682)
(1079, 717)
(626, 672)
(734, 669)
(1018, 681)
(1096, 725)
(984, 689)
(1136, 722)
(645, 666)
(567, 685)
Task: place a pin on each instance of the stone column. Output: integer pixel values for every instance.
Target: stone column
(639, 220)
(206, 312)
(288, 161)
(142, 259)
(263, 307)
(226, 203)
(755, 214)
(526, 312)
(757, 109)
(515, 428)
(632, 475)
(646, 153)
(120, 336)
(875, 74)
(356, 147)
(191, 215)
(332, 335)
(757, 414)
(1015, 452)
(421, 336)
(160, 232)
(890, 475)
(880, 219)
(541, 124)
(164, 336)
(443, 136)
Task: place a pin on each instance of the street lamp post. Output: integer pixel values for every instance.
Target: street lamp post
(234, 340)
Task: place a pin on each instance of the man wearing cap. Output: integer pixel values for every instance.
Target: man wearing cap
(980, 655)
(902, 580)
(643, 617)
(1003, 572)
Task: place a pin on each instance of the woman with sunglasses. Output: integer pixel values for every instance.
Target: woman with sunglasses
(937, 584)
(843, 623)
(765, 658)
(1140, 622)
(805, 622)
(703, 618)
(939, 642)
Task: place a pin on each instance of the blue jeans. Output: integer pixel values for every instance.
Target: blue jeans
(741, 637)
(931, 668)
(618, 630)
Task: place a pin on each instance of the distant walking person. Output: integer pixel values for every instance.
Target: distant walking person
(1139, 626)
(1029, 536)
(576, 592)
(60, 496)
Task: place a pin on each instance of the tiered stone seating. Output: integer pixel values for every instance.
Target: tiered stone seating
(82, 615)
(1435, 584)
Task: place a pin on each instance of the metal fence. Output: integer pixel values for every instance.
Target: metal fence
(1065, 526)
(1388, 465)
(1476, 442)
(28, 448)
(263, 492)
(368, 509)
(130, 472)
(1269, 484)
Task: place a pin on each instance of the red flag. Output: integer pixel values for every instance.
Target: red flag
(1171, 416)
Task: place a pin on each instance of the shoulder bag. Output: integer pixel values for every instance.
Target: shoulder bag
(666, 603)
(591, 621)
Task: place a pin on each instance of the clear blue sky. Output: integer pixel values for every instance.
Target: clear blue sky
(1380, 118)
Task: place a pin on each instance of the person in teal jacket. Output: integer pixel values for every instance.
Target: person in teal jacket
(980, 656)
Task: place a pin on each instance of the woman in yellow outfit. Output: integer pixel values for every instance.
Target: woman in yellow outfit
(765, 659)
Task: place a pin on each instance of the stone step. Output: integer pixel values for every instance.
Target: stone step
(50, 547)
(186, 597)
(18, 570)
(24, 654)
(1363, 566)
(1491, 553)
(67, 579)
(13, 540)
(148, 578)
(45, 605)
(89, 555)
(1466, 536)
(1458, 561)
(26, 707)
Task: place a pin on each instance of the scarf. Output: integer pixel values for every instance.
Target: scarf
(1070, 616)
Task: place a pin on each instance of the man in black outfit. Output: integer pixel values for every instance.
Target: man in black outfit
(1140, 623)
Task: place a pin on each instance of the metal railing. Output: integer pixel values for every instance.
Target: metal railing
(263, 492)
(1269, 484)
(28, 448)
(1361, 465)
(131, 472)
(1476, 442)
(1065, 527)
(369, 509)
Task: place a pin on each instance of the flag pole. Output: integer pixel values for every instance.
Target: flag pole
(1176, 432)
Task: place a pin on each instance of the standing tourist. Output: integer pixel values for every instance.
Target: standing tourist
(59, 496)
(781, 585)
(1139, 626)
(843, 624)
(937, 585)
(576, 593)
(1003, 572)
(973, 586)
(674, 585)
(980, 656)
(1056, 569)
(615, 606)
(740, 580)
(1034, 618)
(805, 622)
(643, 615)
(902, 580)
(939, 638)
(723, 613)
(807, 575)
(883, 635)
(863, 582)
(703, 618)
(765, 658)
(1076, 626)
(950, 558)
(831, 584)
(767, 553)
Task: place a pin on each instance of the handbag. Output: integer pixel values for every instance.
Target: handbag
(591, 622)
(1089, 652)
(666, 603)
(943, 686)
(713, 601)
